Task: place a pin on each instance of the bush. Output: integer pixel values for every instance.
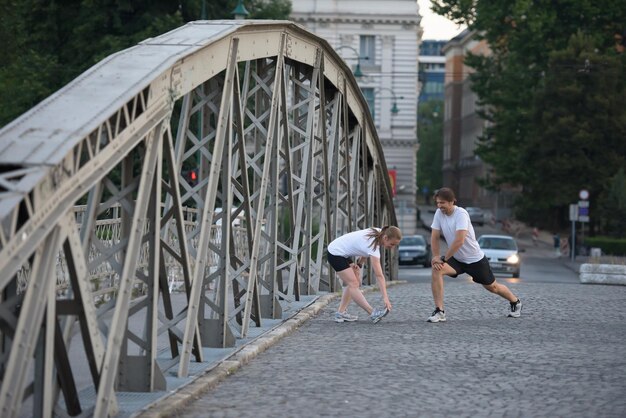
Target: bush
(609, 245)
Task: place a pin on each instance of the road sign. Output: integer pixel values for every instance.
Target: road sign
(573, 212)
(583, 194)
(583, 211)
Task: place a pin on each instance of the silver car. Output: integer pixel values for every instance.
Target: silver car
(477, 216)
(502, 253)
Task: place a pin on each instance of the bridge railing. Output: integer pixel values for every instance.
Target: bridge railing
(104, 278)
(278, 134)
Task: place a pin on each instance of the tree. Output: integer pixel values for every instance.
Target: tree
(514, 82)
(47, 43)
(614, 209)
(430, 152)
(580, 121)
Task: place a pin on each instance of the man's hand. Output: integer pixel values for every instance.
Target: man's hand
(436, 263)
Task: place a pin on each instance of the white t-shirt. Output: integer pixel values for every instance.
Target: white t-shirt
(470, 251)
(354, 244)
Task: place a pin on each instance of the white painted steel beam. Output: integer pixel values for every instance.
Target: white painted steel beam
(101, 218)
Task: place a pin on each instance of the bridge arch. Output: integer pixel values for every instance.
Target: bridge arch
(219, 158)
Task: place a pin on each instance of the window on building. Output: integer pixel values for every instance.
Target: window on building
(368, 93)
(367, 50)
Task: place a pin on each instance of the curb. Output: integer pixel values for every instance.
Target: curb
(172, 403)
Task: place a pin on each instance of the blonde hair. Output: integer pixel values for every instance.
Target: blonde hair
(391, 232)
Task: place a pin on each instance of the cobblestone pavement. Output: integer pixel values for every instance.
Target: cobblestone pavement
(566, 357)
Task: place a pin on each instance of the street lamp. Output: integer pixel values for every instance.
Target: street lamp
(203, 13)
(394, 107)
(240, 11)
(357, 71)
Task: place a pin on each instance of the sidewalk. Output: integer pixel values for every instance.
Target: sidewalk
(561, 358)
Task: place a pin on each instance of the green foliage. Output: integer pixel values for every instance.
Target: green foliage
(609, 245)
(48, 43)
(430, 152)
(613, 209)
(552, 90)
(580, 126)
(269, 9)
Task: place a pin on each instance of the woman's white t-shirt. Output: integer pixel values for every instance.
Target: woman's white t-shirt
(354, 244)
(470, 251)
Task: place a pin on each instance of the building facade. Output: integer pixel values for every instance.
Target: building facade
(380, 41)
(432, 70)
(462, 168)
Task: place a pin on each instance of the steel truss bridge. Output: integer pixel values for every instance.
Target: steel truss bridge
(218, 159)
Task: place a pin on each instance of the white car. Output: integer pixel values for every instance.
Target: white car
(502, 253)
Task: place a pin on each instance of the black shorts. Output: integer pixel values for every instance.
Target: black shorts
(480, 270)
(338, 262)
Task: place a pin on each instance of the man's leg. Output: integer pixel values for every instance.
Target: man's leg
(437, 288)
(481, 273)
(501, 290)
(437, 282)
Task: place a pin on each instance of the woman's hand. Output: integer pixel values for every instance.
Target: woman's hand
(387, 304)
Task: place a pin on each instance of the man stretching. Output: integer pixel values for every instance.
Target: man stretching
(463, 256)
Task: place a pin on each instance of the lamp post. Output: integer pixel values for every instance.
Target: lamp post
(240, 12)
(357, 71)
(394, 106)
(203, 13)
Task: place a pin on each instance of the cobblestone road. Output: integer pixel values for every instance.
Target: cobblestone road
(566, 357)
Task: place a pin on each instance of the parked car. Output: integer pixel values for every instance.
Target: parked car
(414, 249)
(502, 252)
(477, 216)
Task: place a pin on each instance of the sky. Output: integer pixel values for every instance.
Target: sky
(435, 26)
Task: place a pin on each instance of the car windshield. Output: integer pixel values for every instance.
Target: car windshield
(412, 241)
(495, 243)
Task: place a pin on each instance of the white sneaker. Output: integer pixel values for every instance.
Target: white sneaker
(378, 314)
(437, 316)
(345, 317)
(516, 309)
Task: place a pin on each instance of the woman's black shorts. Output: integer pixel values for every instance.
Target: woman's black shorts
(480, 270)
(338, 262)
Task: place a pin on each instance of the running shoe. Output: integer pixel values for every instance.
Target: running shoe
(516, 309)
(345, 317)
(378, 314)
(437, 316)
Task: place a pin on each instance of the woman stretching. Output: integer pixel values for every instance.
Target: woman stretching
(362, 245)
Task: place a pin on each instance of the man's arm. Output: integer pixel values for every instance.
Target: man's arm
(459, 239)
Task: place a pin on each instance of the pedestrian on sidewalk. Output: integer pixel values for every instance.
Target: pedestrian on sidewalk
(463, 255)
(557, 244)
(363, 245)
(535, 235)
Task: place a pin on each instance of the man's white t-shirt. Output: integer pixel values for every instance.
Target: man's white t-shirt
(354, 244)
(470, 251)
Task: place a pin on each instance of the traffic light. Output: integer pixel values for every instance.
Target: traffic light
(191, 176)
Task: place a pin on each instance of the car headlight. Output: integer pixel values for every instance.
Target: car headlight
(513, 259)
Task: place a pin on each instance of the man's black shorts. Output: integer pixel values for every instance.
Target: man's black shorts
(338, 262)
(480, 270)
